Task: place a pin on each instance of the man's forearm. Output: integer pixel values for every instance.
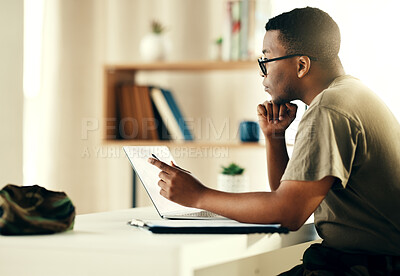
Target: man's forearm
(289, 206)
(254, 207)
(277, 159)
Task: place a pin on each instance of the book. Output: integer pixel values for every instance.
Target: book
(138, 111)
(147, 120)
(167, 116)
(136, 119)
(239, 30)
(235, 30)
(127, 127)
(177, 114)
(244, 29)
(226, 32)
(162, 130)
(251, 53)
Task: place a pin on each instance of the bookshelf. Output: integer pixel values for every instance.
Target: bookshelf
(116, 73)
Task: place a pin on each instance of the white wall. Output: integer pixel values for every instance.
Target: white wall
(11, 97)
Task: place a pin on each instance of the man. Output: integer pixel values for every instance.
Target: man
(345, 166)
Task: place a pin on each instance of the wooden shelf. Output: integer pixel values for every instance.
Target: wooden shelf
(185, 65)
(183, 143)
(117, 73)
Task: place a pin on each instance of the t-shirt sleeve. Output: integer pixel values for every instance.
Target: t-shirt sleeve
(325, 145)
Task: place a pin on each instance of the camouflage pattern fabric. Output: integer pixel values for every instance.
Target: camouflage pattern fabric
(30, 210)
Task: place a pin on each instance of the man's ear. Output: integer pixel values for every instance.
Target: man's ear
(303, 66)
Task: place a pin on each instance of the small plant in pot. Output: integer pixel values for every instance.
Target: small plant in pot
(218, 44)
(155, 46)
(232, 179)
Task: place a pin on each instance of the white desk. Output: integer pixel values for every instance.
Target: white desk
(103, 244)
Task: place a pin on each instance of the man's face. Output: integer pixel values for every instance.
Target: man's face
(280, 81)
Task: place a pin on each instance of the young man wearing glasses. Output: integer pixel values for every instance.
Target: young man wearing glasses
(345, 166)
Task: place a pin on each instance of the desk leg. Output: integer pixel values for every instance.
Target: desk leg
(133, 188)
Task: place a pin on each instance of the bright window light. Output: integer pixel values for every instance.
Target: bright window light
(33, 37)
(33, 29)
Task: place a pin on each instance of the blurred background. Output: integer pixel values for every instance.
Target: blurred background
(53, 54)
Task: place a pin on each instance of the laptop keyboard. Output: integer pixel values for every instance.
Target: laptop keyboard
(203, 214)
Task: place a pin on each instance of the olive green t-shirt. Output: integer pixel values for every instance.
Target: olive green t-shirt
(349, 133)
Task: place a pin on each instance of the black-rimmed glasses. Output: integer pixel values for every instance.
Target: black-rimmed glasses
(263, 60)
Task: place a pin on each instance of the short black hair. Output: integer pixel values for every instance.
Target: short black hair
(308, 31)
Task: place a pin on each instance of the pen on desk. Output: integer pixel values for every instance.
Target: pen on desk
(136, 222)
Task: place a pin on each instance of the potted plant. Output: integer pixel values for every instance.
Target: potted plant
(155, 46)
(232, 179)
(218, 43)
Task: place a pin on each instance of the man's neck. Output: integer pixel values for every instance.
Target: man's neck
(320, 83)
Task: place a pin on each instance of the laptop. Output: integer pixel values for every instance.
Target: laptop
(148, 175)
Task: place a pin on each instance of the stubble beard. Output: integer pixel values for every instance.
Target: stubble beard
(287, 96)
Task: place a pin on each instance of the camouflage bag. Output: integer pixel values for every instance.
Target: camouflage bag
(32, 210)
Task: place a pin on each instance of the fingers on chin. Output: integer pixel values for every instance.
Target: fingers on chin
(163, 193)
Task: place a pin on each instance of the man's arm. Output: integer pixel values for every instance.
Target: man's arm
(274, 120)
(290, 205)
(277, 160)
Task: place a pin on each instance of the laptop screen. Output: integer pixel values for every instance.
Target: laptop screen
(148, 174)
